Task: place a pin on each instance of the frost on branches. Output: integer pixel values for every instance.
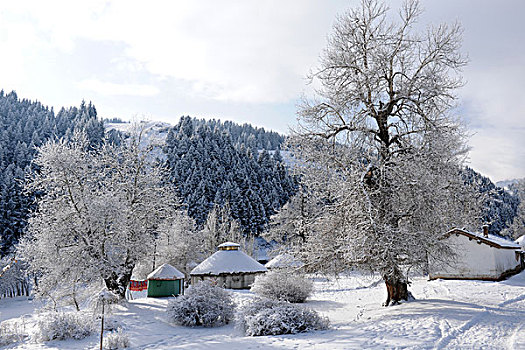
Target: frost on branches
(380, 147)
(203, 304)
(284, 286)
(62, 326)
(100, 213)
(180, 245)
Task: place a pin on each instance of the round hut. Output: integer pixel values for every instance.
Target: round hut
(229, 266)
(166, 281)
(284, 261)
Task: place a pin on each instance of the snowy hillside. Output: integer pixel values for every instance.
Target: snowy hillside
(152, 130)
(446, 314)
(506, 183)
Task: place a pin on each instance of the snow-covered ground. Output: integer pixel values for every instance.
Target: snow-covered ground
(446, 314)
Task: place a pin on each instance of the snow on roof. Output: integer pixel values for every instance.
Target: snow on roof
(492, 240)
(229, 244)
(228, 261)
(521, 242)
(166, 272)
(284, 260)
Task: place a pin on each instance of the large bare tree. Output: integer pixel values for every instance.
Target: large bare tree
(381, 147)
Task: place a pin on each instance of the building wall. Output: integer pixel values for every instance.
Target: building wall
(229, 281)
(506, 259)
(476, 261)
(163, 288)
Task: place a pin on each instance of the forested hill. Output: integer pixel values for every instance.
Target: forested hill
(252, 137)
(211, 163)
(25, 125)
(500, 206)
(216, 163)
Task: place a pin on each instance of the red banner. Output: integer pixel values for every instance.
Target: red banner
(137, 286)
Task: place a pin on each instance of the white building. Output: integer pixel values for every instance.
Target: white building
(229, 267)
(479, 256)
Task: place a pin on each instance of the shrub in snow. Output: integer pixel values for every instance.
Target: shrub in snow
(116, 340)
(11, 332)
(203, 305)
(283, 286)
(63, 325)
(270, 317)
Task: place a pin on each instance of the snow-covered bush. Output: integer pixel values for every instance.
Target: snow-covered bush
(11, 332)
(63, 325)
(116, 340)
(203, 305)
(270, 317)
(283, 286)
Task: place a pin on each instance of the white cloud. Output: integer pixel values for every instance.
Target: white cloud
(497, 116)
(217, 56)
(112, 89)
(239, 51)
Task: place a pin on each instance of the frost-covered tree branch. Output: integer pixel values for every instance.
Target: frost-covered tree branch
(101, 211)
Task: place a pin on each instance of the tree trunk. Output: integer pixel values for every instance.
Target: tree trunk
(396, 287)
(397, 291)
(118, 283)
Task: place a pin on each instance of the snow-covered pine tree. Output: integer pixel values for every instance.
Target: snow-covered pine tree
(221, 227)
(214, 163)
(100, 213)
(25, 125)
(500, 207)
(517, 226)
(380, 147)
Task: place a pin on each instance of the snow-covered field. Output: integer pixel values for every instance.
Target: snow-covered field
(446, 314)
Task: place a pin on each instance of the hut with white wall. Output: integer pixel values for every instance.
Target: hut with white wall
(229, 267)
(478, 256)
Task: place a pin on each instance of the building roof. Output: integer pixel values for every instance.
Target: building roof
(284, 260)
(521, 242)
(491, 240)
(229, 262)
(166, 272)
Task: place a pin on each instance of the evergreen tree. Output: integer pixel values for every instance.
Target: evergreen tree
(24, 126)
(214, 163)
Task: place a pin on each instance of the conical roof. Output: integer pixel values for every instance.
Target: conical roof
(228, 261)
(283, 261)
(166, 272)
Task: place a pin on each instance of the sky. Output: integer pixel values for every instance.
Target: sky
(245, 61)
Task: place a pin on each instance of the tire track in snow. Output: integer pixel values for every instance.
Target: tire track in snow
(456, 332)
(511, 301)
(514, 340)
